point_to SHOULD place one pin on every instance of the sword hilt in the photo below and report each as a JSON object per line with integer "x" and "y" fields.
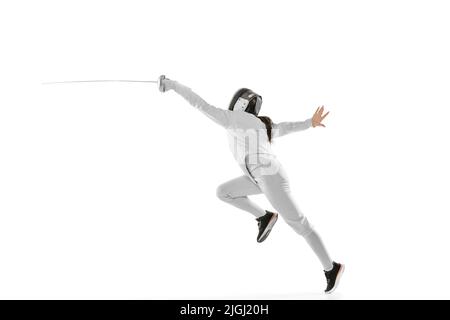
{"x": 161, "y": 84}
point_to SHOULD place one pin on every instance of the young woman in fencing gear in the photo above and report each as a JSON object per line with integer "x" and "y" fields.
{"x": 249, "y": 137}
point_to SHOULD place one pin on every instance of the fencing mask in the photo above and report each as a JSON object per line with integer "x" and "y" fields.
{"x": 246, "y": 100}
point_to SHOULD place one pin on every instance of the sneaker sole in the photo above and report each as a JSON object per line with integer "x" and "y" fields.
{"x": 269, "y": 227}
{"x": 338, "y": 277}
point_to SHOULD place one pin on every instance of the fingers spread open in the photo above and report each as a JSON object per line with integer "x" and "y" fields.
{"x": 323, "y": 117}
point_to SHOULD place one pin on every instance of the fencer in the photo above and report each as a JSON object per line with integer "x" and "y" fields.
{"x": 250, "y": 137}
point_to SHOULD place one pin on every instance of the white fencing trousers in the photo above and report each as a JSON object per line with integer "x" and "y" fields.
{"x": 276, "y": 189}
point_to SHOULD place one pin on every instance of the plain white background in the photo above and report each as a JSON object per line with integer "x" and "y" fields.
{"x": 108, "y": 190}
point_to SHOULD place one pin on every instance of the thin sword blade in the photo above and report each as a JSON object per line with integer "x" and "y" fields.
{"x": 87, "y": 81}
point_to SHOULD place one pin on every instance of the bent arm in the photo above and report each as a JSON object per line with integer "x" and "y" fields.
{"x": 284, "y": 128}
{"x": 220, "y": 116}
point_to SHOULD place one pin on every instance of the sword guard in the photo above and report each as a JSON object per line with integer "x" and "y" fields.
{"x": 161, "y": 84}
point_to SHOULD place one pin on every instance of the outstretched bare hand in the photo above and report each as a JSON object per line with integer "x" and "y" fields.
{"x": 318, "y": 117}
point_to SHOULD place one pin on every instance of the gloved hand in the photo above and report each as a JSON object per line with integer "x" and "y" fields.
{"x": 162, "y": 83}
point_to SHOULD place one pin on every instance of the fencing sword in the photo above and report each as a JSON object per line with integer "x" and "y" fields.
{"x": 158, "y": 82}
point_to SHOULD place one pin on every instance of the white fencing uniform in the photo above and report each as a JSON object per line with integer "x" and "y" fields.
{"x": 263, "y": 173}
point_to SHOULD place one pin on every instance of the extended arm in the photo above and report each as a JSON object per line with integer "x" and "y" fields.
{"x": 220, "y": 116}
{"x": 284, "y": 128}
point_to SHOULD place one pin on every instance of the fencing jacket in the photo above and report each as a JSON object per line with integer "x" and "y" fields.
{"x": 247, "y": 134}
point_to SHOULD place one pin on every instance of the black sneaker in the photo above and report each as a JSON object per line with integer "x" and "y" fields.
{"x": 265, "y": 225}
{"x": 333, "y": 276}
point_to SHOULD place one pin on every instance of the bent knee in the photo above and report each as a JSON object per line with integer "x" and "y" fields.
{"x": 222, "y": 193}
{"x": 301, "y": 225}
